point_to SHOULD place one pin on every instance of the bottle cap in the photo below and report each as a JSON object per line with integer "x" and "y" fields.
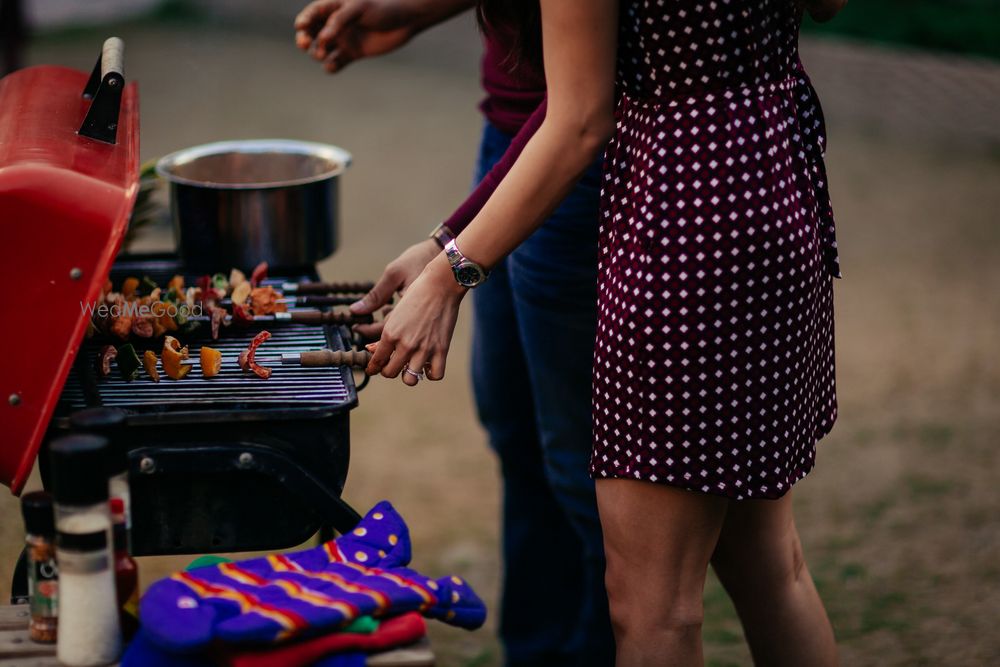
{"x": 36, "y": 507}
{"x": 109, "y": 423}
{"x": 79, "y": 469}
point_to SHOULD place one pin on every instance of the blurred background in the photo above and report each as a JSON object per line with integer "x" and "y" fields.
{"x": 901, "y": 518}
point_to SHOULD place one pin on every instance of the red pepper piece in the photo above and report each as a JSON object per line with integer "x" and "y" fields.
{"x": 246, "y": 358}
{"x": 259, "y": 274}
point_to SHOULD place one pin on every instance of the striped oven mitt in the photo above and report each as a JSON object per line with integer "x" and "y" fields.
{"x": 281, "y": 596}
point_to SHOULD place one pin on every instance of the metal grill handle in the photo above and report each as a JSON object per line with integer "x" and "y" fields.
{"x": 104, "y": 89}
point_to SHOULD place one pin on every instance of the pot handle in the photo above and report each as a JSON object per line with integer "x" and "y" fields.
{"x": 104, "y": 89}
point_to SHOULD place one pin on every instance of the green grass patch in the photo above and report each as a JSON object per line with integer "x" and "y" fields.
{"x": 961, "y": 26}
{"x": 922, "y": 487}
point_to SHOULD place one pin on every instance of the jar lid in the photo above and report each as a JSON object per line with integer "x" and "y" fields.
{"x": 110, "y": 423}
{"x": 79, "y": 469}
{"x": 36, "y": 507}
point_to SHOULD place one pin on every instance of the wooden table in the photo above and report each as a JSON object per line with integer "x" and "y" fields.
{"x": 17, "y": 650}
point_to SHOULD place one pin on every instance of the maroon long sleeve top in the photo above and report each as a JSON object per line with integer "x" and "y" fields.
{"x": 515, "y": 104}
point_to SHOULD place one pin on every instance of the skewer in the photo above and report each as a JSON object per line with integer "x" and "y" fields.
{"x": 301, "y": 317}
{"x": 311, "y": 359}
{"x": 307, "y": 301}
{"x": 359, "y": 288}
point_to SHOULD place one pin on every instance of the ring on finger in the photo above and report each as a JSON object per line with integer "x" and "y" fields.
{"x": 412, "y": 373}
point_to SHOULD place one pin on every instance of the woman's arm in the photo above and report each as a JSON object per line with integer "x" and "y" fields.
{"x": 579, "y": 40}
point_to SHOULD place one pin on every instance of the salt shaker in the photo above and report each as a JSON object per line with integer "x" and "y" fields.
{"x": 43, "y": 576}
{"x": 110, "y": 423}
{"x": 89, "y": 631}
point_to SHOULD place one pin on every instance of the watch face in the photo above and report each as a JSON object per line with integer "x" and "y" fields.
{"x": 469, "y": 275}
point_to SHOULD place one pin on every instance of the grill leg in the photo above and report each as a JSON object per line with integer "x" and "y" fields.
{"x": 19, "y": 582}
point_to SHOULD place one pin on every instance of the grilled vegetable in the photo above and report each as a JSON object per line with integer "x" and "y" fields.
{"x": 129, "y": 287}
{"x": 211, "y": 362}
{"x": 241, "y": 314}
{"x": 122, "y": 326}
{"x": 128, "y": 362}
{"x": 259, "y": 274}
{"x": 176, "y": 284}
{"x": 104, "y": 359}
{"x": 149, "y": 363}
{"x": 241, "y": 293}
{"x": 246, "y": 357}
{"x": 172, "y": 356}
{"x": 220, "y": 282}
{"x": 264, "y": 301}
{"x": 148, "y": 285}
{"x": 218, "y": 319}
{"x": 236, "y": 278}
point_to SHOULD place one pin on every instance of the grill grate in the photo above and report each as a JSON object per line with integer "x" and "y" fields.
{"x": 288, "y": 386}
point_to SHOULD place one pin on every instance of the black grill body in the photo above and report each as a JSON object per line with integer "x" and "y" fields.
{"x": 234, "y": 463}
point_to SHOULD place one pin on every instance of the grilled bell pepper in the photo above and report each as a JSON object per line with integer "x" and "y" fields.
{"x": 211, "y": 362}
{"x": 148, "y": 285}
{"x": 246, "y": 359}
{"x": 128, "y": 362}
{"x": 176, "y": 283}
{"x": 259, "y": 274}
{"x": 241, "y": 293}
{"x": 149, "y": 363}
{"x": 172, "y": 356}
{"x": 220, "y": 282}
{"x": 241, "y": 314}
{"x": 104, "y": 359}
{"x": 129, "y": 287}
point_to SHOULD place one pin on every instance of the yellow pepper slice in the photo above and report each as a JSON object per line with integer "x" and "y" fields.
{"x": 149, "y": 363}
{"x": 129, "y": 287}
{"x": 211, "y": 362}
{"x": 172, "y": 356}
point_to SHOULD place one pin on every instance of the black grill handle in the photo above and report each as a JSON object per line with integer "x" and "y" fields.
{"x": 104, "y": 89}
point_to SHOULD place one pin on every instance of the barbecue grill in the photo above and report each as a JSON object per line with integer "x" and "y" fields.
{"x": 231, "y": 463}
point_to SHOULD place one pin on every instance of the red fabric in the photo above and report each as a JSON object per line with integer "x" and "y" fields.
{"x": 391, "y": 633}
{"x": 515, "y": 104}
{"x": 514, "y": 87}
{"x": 464, "y": 214}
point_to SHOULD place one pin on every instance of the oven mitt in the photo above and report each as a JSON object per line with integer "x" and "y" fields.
{"x": 392, "y": 633}
{"x": 274, "y": 598}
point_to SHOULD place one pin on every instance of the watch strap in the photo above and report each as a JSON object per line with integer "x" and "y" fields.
{"x": 442, "y": 234}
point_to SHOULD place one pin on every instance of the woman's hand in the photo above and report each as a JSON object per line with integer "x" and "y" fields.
{"x": 338, "y": 32}
{"x": 399, "y": 274}
{"x": 417, "y": 336}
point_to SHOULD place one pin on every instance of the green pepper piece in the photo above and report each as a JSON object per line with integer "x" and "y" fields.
{"x": 147, "y": 286}
{"x": 128, "y": 362}
{"x": 182, "y": 315}
{"x": 220, "y": 281}
{"x": 189, "y": 326}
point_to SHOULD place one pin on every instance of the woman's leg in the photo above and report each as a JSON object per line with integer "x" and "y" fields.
{"x": 759, "y": 561}
{"x": 658, "y": 541}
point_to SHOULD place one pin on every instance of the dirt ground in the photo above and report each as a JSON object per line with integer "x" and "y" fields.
{"x": 901, "y": 518}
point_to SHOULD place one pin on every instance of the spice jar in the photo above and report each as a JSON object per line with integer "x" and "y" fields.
{"x": 110, "y": 423}
{"x": 89, "y": 632}
{"x": 43, "y": 576}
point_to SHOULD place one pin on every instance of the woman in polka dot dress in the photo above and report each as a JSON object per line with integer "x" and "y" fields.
{"x": 713, "y": 374}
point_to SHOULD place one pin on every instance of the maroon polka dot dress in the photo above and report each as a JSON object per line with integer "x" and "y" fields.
{"x": 714, "y": 364}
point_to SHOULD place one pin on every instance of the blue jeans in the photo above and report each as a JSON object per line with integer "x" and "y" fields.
{"x": 535, "y": 322}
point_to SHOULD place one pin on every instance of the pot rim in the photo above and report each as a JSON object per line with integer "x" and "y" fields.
{"x": 340, "y": 157}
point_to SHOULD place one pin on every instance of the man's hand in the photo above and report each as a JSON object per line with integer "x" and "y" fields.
{"x": 397, "y": 276}
{"x": 338, "y": 32}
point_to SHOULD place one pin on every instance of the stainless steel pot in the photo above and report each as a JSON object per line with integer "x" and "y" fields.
{"x": 237, "y": 203}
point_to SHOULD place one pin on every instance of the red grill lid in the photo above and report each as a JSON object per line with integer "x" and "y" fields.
{"x": 65, "y": 200}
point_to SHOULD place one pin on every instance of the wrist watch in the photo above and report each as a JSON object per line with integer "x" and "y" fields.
{"x": 467, "y": 273}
